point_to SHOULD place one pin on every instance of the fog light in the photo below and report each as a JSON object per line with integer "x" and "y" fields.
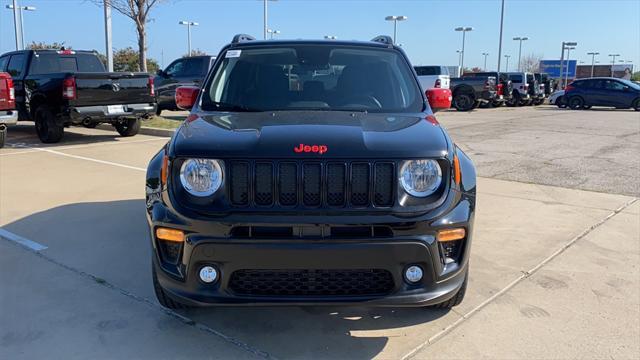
{"x": 208, "y": 274}
{"x": 413, "y": 274}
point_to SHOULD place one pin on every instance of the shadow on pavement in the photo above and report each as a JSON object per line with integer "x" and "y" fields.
{"x": 110, "y": 240}
{"x": 24, "y": 135}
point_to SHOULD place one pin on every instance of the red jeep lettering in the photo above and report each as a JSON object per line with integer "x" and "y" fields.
{"x": 320, "y": 149}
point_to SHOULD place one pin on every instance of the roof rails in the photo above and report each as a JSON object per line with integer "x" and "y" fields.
{"x": 385, "y": 39}
{"x": 240, "y": 38}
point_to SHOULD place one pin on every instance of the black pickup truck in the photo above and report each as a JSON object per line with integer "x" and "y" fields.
{"x": 504, "y": 88}
{"x": 470, "y": 92}
{"x": 58, "y": 88}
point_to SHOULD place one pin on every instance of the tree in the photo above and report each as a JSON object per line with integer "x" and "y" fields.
{"x": 127, "y": 60}
{"x": 636, "y": 76}
{"x": 530, "y": 63}
{"x": 195, "y": 52}
{"x": 41, "y": 45}
{"x": 138, "y": 11}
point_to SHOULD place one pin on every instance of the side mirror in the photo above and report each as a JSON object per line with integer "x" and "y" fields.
{"x": 439, "y": 99}
{"x": 186, "y": 97}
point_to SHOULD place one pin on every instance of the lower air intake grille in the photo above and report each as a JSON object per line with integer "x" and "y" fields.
{"x": 311, "y": 282}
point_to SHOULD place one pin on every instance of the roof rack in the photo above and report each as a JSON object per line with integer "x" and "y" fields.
{"x": 385, "y": 39}
{"x": 240, "y": 38}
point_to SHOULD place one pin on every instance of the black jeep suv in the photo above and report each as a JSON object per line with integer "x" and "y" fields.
{"x": 310, "y": 172}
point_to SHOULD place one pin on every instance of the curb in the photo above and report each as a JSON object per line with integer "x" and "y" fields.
{"x": 143, "y": 130}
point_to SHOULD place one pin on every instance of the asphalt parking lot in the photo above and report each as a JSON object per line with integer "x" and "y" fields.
{"x": 554, "y": 266}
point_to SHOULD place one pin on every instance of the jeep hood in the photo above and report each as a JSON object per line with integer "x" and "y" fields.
{"x": 276, "y": 134}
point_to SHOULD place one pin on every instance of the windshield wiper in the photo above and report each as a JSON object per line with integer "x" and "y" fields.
{"x": 222, "y": 106}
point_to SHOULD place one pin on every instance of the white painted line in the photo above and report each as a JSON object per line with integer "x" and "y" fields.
{"x": 29, "y": 149}
{"x": 22, "y": 241}
{"x": 515, "y": 282}
{"x": 91, "y": 159}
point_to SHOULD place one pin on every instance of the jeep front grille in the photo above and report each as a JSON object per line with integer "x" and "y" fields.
{"x": 311, "y": 184}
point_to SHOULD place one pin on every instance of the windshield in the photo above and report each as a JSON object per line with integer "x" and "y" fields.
{"x": 630, "y": 84}
{"x": 313, "y": 77}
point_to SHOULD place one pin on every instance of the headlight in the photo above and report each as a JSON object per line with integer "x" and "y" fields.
{"x": 420, "y": 178}
{"x": 201, "y": 177}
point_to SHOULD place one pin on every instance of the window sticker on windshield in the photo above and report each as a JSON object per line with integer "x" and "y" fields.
{"x": 233, "y": 53}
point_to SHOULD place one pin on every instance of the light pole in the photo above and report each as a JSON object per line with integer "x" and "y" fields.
{"x": 189, "y": 25}
{"x": 566, "y": 77}
{"x": 16, "y": 20}
{"x": 564, "y": 45}
{"x": 395, "y": 20}
{"x": 500, "y": 42}
{"x": 464, "y": 30}
{"x": 21, "y": 9}
{"x": 521, "y": 39}
{"x": 459, "y": 56}
{"x": 485, "y": 60}
{"x": 272, "y": 33}
{"x": 613, "y": 61}
{"x": 107, "y": 35}
{"x": 264, "y": 15}
{"x": 593, "y": 60}
{"x": 330, "y": 37}
{"x": 507, "y": 65}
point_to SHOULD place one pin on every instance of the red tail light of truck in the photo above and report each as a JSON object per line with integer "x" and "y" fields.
{"x": 499, "y": 89}
{"x": 7, "y": 92}
{"x": 69, "y": 88}
{"x": 152, "y": 88}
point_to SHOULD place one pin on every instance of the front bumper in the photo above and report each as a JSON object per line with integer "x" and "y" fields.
{"x": 8, "y": 117}
{"x": 413, "y": 242}
{"x": 103, "y": 113}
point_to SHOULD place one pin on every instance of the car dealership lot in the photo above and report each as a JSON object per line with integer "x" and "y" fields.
{"x": 554, "y": 263}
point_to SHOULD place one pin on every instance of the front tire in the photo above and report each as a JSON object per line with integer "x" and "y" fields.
{"x": 457, "y": 298}
{"x": 162, "y": 296}
{"x": 576, "y": 103}
{"x": 129, "y": 127}
{"x": 49, "y": 131}
{"x": 636, "y": 105}
{"x": 515, "y": 100}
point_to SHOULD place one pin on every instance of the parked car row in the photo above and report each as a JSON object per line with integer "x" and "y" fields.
{"x": 488, "y": 89}
{"x": 582, "y": 94}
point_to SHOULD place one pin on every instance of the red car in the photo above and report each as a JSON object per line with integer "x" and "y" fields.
{"x": 8, "y": 112}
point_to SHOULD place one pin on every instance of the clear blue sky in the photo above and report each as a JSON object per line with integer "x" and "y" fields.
{"x": 606, "y": 26}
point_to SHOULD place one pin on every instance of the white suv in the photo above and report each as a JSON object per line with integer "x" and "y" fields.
{"x": 435, "y": 76}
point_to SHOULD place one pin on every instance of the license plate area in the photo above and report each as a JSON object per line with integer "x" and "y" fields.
{"x": 115, "y": 109}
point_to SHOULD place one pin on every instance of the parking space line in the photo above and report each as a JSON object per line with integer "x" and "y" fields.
{"x": 515, "y": 282}
{"x": 29, "y": 244}
{"x": 25, "y": 243}
{"x": 91, "y": 159}
{"x": 31, "y": 149}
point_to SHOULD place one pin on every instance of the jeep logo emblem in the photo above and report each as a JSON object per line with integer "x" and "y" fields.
{"x": 320, "y": 149}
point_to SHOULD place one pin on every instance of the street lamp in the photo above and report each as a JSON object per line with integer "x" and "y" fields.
{"x": 272, "y": 33}
{"x": 521, "y": 39}
{"x": 459, "y": 56}
{"x": 395, "y": 20}
{"x": 22, "y": 8}
{"x": 464, "y": 30}
{"x": 485, "y": 60}
{"x": 189, "y": 25}
{"x": 566, "y": 77}
{"x": 507, "y": 67}
{"x": 264, "y": 15}
{"x": 613, "y": 61}
{"x": 593, "y": 60}
{"x": 330, "y": 37}
{"x": 564, "y": 46}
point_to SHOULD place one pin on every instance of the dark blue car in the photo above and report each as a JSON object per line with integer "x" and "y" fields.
{"x": 605, "y": 91}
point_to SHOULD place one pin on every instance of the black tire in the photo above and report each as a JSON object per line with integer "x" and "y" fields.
{"x": 129, "y": 127}
{"x": 463, "y": 102}
{"x": 576, "y": 103}
{"x": 49, "y": 131}
{"x": 515, "y": 100}
{"x": 91, "y": 125}
{"x": 560, "y": 102}
{"x": 162, "y": 296}
{"x": 158, "y": 110}
{"x": 586, "y": 107}
{"x": 636, "y": 105}
{"x": 498, "y": 104}
{"x": 457, "y": 298}
{"x": 3, "y": 137}
{"x": 486, "y": 105}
